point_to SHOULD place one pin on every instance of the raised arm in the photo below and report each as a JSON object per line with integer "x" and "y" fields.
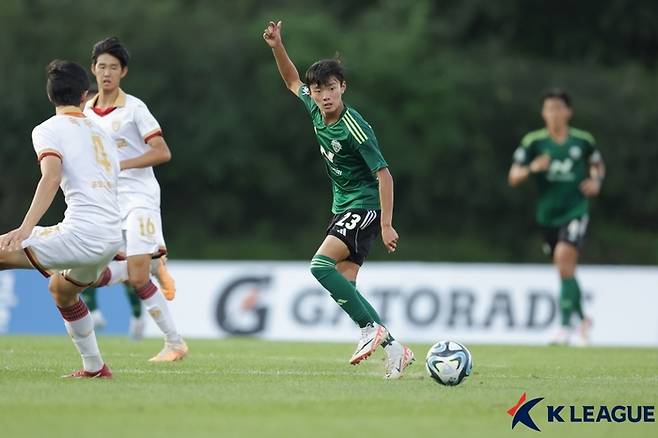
{"x": 288, "y": 71}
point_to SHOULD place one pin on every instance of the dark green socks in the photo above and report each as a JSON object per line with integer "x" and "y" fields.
{"x": 133, "y": 299}
{"x": 89, "y": 297}
{"x": 342, "y": 291}
{"x": 570, "y": 300}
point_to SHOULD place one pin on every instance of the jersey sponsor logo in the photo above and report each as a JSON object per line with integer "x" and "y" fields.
{"x": 327, "y": 154}
{"x": 575, "y": 152}
{"x": 330, "y": 158}
{"x": 336, "y": 145}
{"x": 561, "y": 170}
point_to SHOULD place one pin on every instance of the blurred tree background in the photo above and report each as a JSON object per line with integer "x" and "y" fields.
{"x": 449, "y": 86}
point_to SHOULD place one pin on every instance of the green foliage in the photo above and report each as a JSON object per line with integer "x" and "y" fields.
{"x": 449, "y": 87}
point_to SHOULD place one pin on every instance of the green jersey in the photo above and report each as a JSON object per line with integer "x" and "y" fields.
{"x": 351, "y": 155}
{"x": 560, "y": 198}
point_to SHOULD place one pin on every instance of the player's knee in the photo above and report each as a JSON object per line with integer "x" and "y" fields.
{"x": 138, "y": 281}
{"x": 322, "y": 266}
{"x": 62, "y": 295}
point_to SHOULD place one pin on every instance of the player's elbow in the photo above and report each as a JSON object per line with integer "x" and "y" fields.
{"x": 166, "y": 156}
{"x": 384, "y": 176}
{"x": 514, "y": 181}
{"x": 51, "y": 180}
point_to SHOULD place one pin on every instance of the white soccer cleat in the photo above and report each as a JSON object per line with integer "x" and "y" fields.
{"x": 398, "y": 357}
{"x": 562, "y": 336}
{"x": 371, "y": 336}
{"x": 99, "y": 320}
{"x": 583, "y": 332}
{"x": 171, "y": 352}
{"x": 136, "y": 328}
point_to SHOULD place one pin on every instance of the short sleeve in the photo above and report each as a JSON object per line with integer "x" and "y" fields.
{"x": 304, "y": 94}
{"x": 46, "y": 142}
{"x": 371, "y": 154}
{"x": 147, "y": 125}
{"x": 526, "y": 151}
{"x": 592, "y": 151}
{"x": 365, "y": 141}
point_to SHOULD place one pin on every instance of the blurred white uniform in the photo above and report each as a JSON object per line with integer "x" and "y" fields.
{"x": 89, "y": 236}
{"x": 131, "y": 125}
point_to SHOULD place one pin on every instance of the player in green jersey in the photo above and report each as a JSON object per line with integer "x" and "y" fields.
{"x": 362, "y": 197}
{"x": 568, "y": 169}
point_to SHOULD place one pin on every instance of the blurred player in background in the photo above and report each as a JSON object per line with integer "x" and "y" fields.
{"x": 568, "y": 169}
{"x": 76, "y": 155}
{"x": 140, "y": 145}
{"x": 136, "y": 325}
{"x": 362, "y": 197}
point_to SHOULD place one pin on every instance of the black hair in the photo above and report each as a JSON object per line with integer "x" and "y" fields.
{"x": 321, "y": 71}
{"x": 67, "y": 81}
{"x": 557, "y": 93}
{"x": 111, "y": 46}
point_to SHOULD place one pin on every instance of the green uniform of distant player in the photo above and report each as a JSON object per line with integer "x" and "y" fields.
{"x": 362, "y": 197}
{"x": 568, "y": 169}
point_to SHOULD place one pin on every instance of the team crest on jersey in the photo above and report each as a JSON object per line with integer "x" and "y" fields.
{"x": 305, "y": 90}
{"x": 575, "y": 152}
{"x": 336, "y": 145}
{"x": 116, "y": 125}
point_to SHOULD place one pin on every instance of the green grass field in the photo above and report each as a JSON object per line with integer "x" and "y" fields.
{"x": 245, "y": 388}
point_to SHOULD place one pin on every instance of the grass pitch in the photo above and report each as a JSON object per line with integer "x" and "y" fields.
{"x": 245, "y": 388}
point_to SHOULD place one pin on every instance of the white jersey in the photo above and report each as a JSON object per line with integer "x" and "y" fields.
{"x": 90, "y": 169}
{"x": 131, "y": 125}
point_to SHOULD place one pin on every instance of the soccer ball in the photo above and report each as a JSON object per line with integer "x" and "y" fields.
{"x": 448, "y": 362}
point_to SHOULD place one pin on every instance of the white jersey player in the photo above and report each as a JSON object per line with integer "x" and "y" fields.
{"x": 77, "y": 156}
{"x": 140, "y": 146}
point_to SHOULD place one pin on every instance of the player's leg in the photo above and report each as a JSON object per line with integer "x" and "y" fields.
{"x": 139, "y": 268}
{"x": 16, "y": 259}
{"x": 323, "y": 268}
{"x": 398, "y": 356}
{"x": 79, "y": 325}
{"x": 163, "y": 277}
{"x": 565, "y": 257}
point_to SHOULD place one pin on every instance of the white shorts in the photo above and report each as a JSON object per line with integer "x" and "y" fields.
{"x": 58, "y": 249}
{"x": 142, "y": 233}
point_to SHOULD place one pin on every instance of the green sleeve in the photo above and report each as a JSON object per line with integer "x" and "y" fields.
{"x": 304, "y": 94}
{"x": 365, "y": 142}
{"x": 525, "y": 153}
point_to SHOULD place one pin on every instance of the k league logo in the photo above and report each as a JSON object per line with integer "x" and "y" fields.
{"x": 621, "y": 413}
{"x": 520, "y": 412}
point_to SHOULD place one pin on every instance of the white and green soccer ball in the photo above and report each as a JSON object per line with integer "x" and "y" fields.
{"x": 448, "y": 362}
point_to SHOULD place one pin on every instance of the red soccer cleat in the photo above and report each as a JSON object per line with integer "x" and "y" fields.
{"x": 103, "y": 373}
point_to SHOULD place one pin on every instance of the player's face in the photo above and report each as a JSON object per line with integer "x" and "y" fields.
{"x": 329, "y": 97}
{"x": 556, "y": 113}
{"x": 108, "y": 72}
